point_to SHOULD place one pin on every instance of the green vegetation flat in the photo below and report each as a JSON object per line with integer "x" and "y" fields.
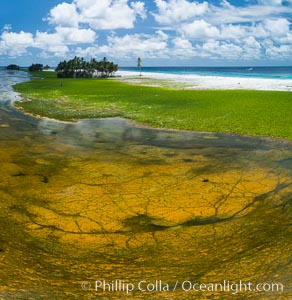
{"x": 258, "y": 113}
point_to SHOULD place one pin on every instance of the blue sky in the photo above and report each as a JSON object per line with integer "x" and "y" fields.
{"x": 162, "y": 32}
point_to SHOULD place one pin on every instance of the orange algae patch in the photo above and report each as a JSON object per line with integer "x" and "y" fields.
{"x": 105, "y": 198}
{"x": 140, "y": 212}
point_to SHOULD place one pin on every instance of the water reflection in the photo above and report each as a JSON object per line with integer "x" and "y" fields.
{"x": 108, "y": 199}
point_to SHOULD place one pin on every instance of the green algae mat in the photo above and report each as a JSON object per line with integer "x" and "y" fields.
{"x": 256, "y": 113}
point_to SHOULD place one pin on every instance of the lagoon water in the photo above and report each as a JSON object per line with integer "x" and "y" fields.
{"x": 111, "y": 200}
{"x": 242, "y": 72}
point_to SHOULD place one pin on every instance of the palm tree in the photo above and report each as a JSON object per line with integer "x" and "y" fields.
{"x": 139, "y": 64}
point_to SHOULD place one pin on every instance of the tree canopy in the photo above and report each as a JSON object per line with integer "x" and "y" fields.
{"x": 78, "y": 67}
{"x": 36, "y": 68}
{"x": 12, "y": 67}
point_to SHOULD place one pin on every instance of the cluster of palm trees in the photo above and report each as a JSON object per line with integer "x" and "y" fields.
{"x": 36, "y": 68}
{"x": 78, "y": 67}
{"x": 13, "y": 67}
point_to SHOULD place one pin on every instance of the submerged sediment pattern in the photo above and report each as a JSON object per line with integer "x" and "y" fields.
{"x": 105, "y": 200}
{"x": 89, "y": 202}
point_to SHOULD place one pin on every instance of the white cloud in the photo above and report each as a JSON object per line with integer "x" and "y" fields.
{"x": 116, "y": 14}
{"x": 258, "y": 31}
{"x": 278, "y": 27}
{"x": 109, "y": 14}
{"x": 174, "y": 11}
{"x": 75, "y": 35}
{"x": 278, "y": 52}
{"x": 200, "y": 29}
{"x": 97, "y": 14}
{"x": 195, "y": 29}
{"x": 227, "y": 31}
{"x": 15, "y": 44}
{"x": 64, "y": 14}
{"x": 230, "y": 31}
{"x": 254, "y": 13}
{"x": 91, "y": 51}
{"x": 139, "y": 9}
{"x": 216, "y": 50}
{"x": 251, "y": 42}
{"x": 251, "y": 48}
{"x": 156, "y": 46}
{"x": 183, "y": 48}
{"x": 7, "y": 27}
{"x": 285, "y": 40}
{"x": 139, "y": 45}
{"x": 50, "y": 43}
{"x": 227, "y": 13}
{"x": 245, "y": 49}
{"x": 131, "y": 46}
{"x": 270, "y": 2}
{"x": 44, "y": 39}
{"x": 58, "y": 42}
{"x": 64, "y": 36}
{"x": 58, "y": 50}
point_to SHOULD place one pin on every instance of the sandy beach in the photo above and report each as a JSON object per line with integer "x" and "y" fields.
{"x": 216, "y": 82}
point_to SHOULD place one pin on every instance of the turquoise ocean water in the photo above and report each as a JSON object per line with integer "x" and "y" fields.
{"x": 254, "y": 72}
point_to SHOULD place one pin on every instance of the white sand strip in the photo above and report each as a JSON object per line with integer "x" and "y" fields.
{"x": 199, "y": 82}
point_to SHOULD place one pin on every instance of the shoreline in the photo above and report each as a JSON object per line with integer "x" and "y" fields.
{"x": 199, "y": 82}
{"x": 36, "y": 116}
{"x": 148, "y": 126}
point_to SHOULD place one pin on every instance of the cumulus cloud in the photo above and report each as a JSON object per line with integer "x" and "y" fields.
{"x": 200, "y": 29}
{"x": 226, "y": 13}
{"x": 139, "y": 9}
{"x": 194, "y": 29}
{"x": 230, "y": 31}
{"x": 285, "y": 40}
{"x": 138, "y": 45}
{"x": 50, "y": 43}
{"x": 108, "y": 15}
{"x": 270, "y": 2}
{"x": 75, "y": 35}
{"x": 59, "y": 41}
{"x": 101, "y": 14}
{"x": 219, "y": 50}
{"x": 227, "y": 31}
{"x": 277, "y": 27}
{"x": 251, "y": 48}
{"x": 183, "y": 48}
{"x": 15, "y": 44}
{"x": 64, "y": 14}
{"x": 131, "y": 45}
{"x": 280, "y": 51}
{"x": 174, "y": 11}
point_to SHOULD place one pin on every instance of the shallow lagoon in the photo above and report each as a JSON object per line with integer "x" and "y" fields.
{"x": 111, "y": 200}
